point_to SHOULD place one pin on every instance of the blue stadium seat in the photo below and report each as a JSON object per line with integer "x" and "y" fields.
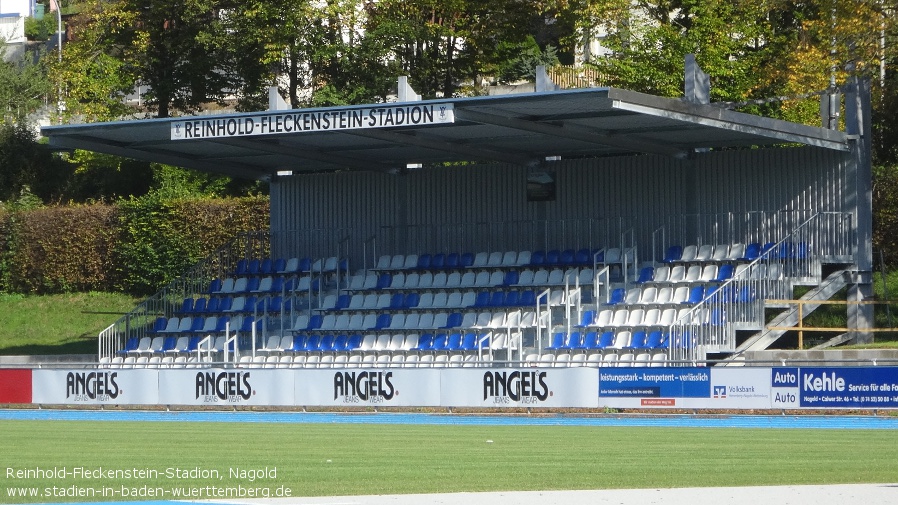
{"x": 411, "y": 300}
{"x": 440, "y": 342}
{"x": 305, "y": 264}
{"x": 538, "y": 258}
{"x": 573, "y": 341}
{"x": 696, "y": 294}
{"x": 280, "y": 265}
{"x": 606, "y": 340}
{"x": 196, "y": 326}
{"x": 512, "y": 299}
{"x": 341, "y": 343}
{"x": 483, "y": 299}
{"x": 617, "y": 296}
{"x": 299, "y": 343}
{"x": 466, "y": 260}
{"x": 383, "y": 321}
{"x": 131, "y": 345}
{"x": 725, "y": 273}
{"x": 674, "y": 253}
{"x": 654, "y": 340}
{"x": 397, "y": 301}
{"x": 566, "y": 258}
{"x": 266, "y": 266}
{"x": 454, "y": 341}
{"x": 354, "y": 342}
{"x": 583, "y": 257}
{"x": 752, "y": 252}
{"x": 437, "y": 261}
{"x": 312, "y": 344}
{"x": 497, "y": 299}
{"x": 252, "y": 284}
{"x": 212, "y": 306}
{"x": 215, "y": 286}
{"x": 277, "y": 285}
{"x": 242, "y": 268}
{"x": 425, "y": 343}
{"x": 186, "y": 306}
{"x": 326, "y": 344}
{"x": 528, "y": 298}
{"x": 645, "y": 275}
{"x": 589, "y": 342}
{"x": 637, "y": 339}
{"x": 199, "y": 306}
{"x": 452, "y": 260}
{"x": 424, "y": 261}
{"x": 552, "y": 258}
{"x": 343, "y": 301}
{"x": 511, "y": 278}
{"x": 557, "y": 341}
{"x": 469, "y": 342}
{"x": 586, "y": 319}
{"x": 224, "y": 304}
{"x": 384, "y": 281}
{"x": 315, "y": 321}
{"x": 253, "y": 267}
{"x": 454, "y": 320}
{"x": 158, "y": 325}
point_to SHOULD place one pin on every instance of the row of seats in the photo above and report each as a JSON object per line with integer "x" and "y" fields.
{"x": 582, "y": 359}
{"x": 286, "y": 266}
{"x": 608, "y": 341}
{"x": 650, "y": 296}
{"x": 433, "y": 301}
{"x": 499, "y": 259}
{"x": 211, "y": 306}
{"x": 735, "y": 252}
{"x": 200, "y": 325}
{"x": 470, "y": 279}
{"x": 399, "y": 321}
{"x": 637, "y": 317}
{"x": 231, "y": 286}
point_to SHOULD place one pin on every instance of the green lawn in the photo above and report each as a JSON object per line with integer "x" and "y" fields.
{"x": 315, "y": 459}
{"x": 58, "y": 324}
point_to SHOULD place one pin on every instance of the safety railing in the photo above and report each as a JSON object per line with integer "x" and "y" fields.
{"x": 710, "y": 326}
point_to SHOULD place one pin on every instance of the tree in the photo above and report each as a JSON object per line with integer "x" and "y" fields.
{"x": 92, "y": 76}
{"x": 173, "y": 48}
{"x": 443, "y": 44}
{"x": 23, "y": 87}
{"x": 29, "y": 168}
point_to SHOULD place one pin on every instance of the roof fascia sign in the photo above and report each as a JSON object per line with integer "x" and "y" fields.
{"x": 298, "y": 121}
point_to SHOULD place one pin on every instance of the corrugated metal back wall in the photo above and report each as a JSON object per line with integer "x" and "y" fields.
{"x": 485, "y": 207}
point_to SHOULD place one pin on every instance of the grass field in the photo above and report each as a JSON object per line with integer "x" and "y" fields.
{"x": 312, "y": 460}
{"x": 58, "y": 324}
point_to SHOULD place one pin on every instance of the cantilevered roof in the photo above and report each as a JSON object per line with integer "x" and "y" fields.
{"x": 520, "y": 129}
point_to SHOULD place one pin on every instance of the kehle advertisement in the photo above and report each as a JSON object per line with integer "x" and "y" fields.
{"x": 386, "y": 387}
{"x": 784, "y": 393}
{"x": 232, "y": 386}
{"x": 849, "y": 387}
{"x": 96, "y": 387}
{"x": 527, "y": 387}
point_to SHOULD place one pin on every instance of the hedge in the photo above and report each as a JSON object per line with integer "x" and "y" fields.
{"x": 134, "y": 246}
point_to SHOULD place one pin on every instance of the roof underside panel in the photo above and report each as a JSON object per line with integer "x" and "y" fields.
{"x": 519, "y": 129}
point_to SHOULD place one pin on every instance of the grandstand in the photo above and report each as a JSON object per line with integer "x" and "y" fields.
{"x": 667, "y": 226}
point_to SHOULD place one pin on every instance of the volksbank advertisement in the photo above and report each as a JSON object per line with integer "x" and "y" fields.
{"x": 749, "y": 388}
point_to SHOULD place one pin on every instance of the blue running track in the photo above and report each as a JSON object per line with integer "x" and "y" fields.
{"x": 681, "y": 421}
